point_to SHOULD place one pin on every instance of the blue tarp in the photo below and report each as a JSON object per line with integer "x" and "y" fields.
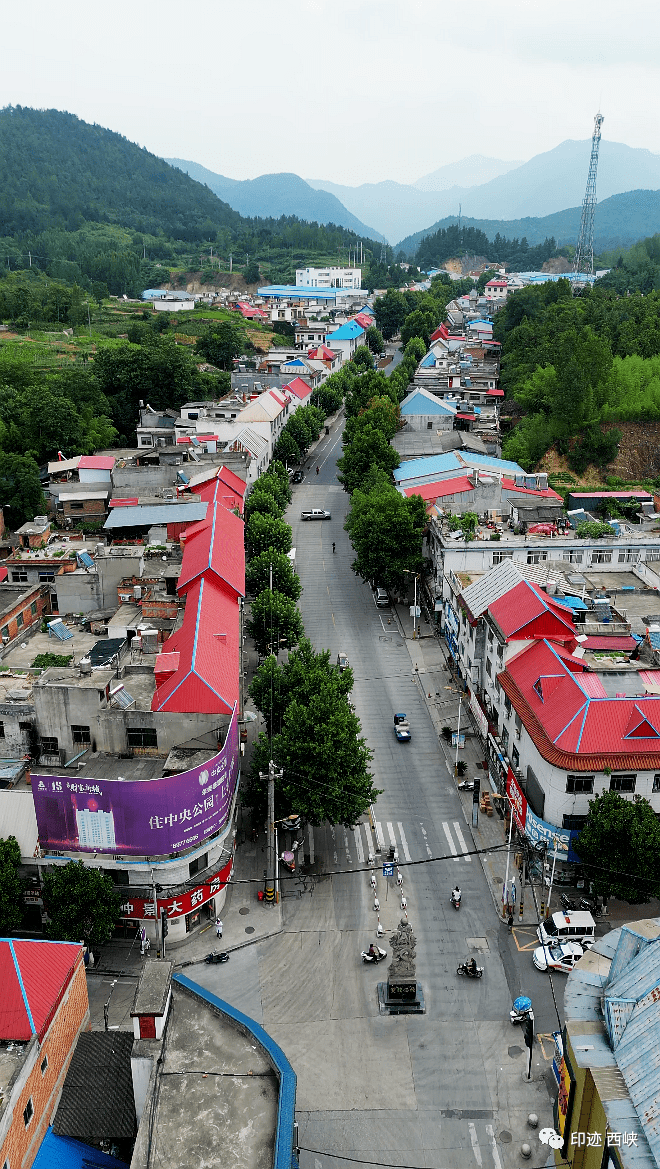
{"x": 65, "y": 1153}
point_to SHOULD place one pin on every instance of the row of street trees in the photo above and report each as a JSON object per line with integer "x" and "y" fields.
{"x": 313, "y": 734}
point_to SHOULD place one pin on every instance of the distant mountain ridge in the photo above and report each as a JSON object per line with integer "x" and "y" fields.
{"x": 620, "y": 221}
{"x": 469, "y": 172}
{"x": 273, "y": 195}
{"x": 546, "y": 184}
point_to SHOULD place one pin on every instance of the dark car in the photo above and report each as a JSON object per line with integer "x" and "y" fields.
{"x": 297, "y": 477}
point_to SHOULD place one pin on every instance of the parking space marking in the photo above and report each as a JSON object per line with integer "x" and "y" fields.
{"x": 525, "y": 931}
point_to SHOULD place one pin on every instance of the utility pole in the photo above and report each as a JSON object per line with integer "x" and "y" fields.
{"x": 270, "y": 863}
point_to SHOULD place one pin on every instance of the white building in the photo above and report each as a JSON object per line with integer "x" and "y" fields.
{"x": 329, "y": 278}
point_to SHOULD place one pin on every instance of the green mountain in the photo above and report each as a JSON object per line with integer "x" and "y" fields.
{"x": 83, "y": 204}
{"x": 275, "y": 195}
{"x": 620, "y": 221}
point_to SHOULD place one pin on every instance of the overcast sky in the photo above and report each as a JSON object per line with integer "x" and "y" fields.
{"x": 351, "y": 91}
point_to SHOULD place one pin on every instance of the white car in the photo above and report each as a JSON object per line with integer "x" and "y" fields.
{"x": 561, "y": 956}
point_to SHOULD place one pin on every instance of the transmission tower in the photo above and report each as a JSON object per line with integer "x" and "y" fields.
{"x": 584, "y": 252}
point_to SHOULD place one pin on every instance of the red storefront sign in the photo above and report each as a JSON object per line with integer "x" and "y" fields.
{"x": 518, "y": 801}
{"x": 183, "y": 903}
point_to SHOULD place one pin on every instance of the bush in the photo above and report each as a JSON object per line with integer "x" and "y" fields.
{"x": 592, "y": 530}
{"x": 594, "y": 447}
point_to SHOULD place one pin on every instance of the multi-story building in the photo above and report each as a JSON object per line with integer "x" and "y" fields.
{"x": 329, "y": 278}
{"x": 43, "y": 1009}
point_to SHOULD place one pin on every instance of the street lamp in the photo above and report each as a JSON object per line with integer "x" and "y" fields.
{"x": 409, "y": 572}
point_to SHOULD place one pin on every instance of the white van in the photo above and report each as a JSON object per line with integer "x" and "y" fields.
{"x": 568, "y": 927}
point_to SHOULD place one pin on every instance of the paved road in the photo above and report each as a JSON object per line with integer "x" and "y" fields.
{"x": 443, "y": 1089}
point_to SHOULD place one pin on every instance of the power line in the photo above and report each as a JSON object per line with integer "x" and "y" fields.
{"x": 381, "y": 1164}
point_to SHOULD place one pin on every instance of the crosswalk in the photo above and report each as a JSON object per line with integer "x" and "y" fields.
{"x": 366, "y": 842}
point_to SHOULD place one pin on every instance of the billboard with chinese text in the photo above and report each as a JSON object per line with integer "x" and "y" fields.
{"x": 137, "y": 818}
{"x": 187, "y": 902}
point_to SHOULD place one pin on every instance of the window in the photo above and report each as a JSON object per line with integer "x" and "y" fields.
{"x": 74, "y": 505}
{"x": 515, "y": 757}
{"x": 4, "y": 632}
{"x": 499, "y": 555}
{"x": 19, "y": 576}
{"x": 429, "y": 426}
{"x": 507, "y": 704}
{"x": 491, "y": 637}
{"x": 25, "y": 727}
{"x": 47, "y": 576}
{"x": 573, "y": 557}
{"x": 28, "y": 1112}
{"x": 580, "y": 784}
{"x": 198, "y": 864}
{"x": 80, "y": 734}
{"x": 656, "y": 783}
{"x": 145, "y": 440}
{"x": 653, "y": 553}
{"x": 192, "y": 414}
{"x": 536, "y": 556}
{"x": 598, "y": 556}
{"x": 2, "y": 730}
{"x": 20, "y": 621}
{"x": 574, "y": 823}
{"x": 626, "y": 555}
{"x": 44, "y": 1065}
{"x": 33, "y": 608}
{"x": 141, "y": 737}
{"x": 489, "y": 668}
{"x": 623, "y": 783}
{"x": 49, "y": 745}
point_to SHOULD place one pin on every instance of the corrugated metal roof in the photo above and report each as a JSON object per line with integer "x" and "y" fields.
{"x": 145, "y": 515}
{"x": 427, "y": 467}
{"x": 96, "y": 463}
{"x": 299, "y": 387}
{"x": 440, "y": 489}
{"x": 420, "y": 401}
{"x": 345, "y": 332}
{"x": 216, "y": 546}
{"x": 206, "y": 680}
{"x": 595, "y": 642}
{"x": 478, "y": 596}
{"x": 33, "y": 976}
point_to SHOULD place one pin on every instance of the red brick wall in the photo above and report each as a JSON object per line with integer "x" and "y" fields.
{"x": 21, "y": 1144}
{"x": 42, "y": 600}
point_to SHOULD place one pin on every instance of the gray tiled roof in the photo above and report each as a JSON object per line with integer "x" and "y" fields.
{"x": 97, "y": 1102}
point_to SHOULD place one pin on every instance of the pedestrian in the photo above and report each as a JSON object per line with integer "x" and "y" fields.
{"x": 218, "y": 928}
{"x": 333, "y": 545}
{"x": 317, "y": 470}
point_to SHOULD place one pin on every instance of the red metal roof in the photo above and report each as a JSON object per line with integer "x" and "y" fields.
{"x": 207, "y": 678}
{"x": 215, "y": 546}
{"x": 96, "y": 462}
{"x": 364, "y": 320}
{"x": 124, "y": 502}
{"x": 574, "y": 730}
{"x": 548, "y": 493}
{"x": 495, "y": 393}
{"x": 441, "y": 488}
{"x": 595, "y": 642}
{"x": 321, "y": 353}
{"x": 34, "y": 976}
{"x": 299, "y": 388}
{"x": 610, "y": 495}
{"x": 525, "y": 612}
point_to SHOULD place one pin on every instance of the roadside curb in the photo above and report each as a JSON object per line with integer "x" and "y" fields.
{"x": 229, "y": 949}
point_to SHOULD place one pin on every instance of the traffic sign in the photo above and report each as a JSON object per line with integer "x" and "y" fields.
{"x": 388, "y": 870}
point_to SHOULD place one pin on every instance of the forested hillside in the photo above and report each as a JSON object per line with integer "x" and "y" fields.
{"x": 84, "y": 204}
{"x": 570, "y": 363}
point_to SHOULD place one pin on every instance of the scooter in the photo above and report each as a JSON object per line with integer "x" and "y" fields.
{"x": 469, "y": 971}
{"x": 466, "y": 785}
{"x": 455, "y": 900}
{"x": 585, "y": 904}
{"x": 367, "y": 957}
{"x": 218, "y": 956}
{"x": 521, "y": 1009}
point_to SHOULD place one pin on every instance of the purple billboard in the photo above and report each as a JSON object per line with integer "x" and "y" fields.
{"x": 138, "y": 818}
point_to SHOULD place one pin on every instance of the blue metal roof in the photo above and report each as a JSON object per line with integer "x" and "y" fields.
{"x": 429, "y": 360}
{"x": 281, "y": 291}
{"x": 144, "y": 515}
{"x": 66, "y": 1153}
{"x": 432, "y": 465}
{"x": 503, "y": 465}
{"x": 420, "y": 403}
{"x": 345, "y": 332}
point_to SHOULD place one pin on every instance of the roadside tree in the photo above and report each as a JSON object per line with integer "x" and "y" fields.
{"x": 11, "y": 887}
{"x": 81, "y": 903}
{"x": 370, "y": 448}
{"x": 304, "y": 674}
{"x": 362, "y": 358}
{"x": 285, "y": 580}
{"x": 275, "y": 622}
{"x": 374, "y": 339}
{"x": 390, "y": 311}
{"x": 385, "y": 530}
{"x": 264, "y": 532}
{"x": 619, "y": 847}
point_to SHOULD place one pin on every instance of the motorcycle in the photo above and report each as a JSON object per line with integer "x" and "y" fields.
{"x": 455, "y": 900}
{"x": 585, "y": 904}
{"x": 367, "y": 957}
{"x": 466, "y": 785}
{"x": 521, "y": 1009}
{"x": 218, "y": 956}
{"x": 469, "y": 971}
